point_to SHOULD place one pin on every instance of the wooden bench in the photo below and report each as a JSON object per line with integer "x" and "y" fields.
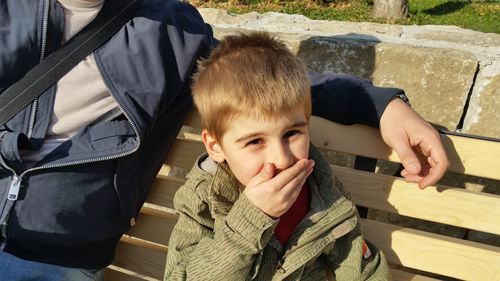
{"x": 413, "y": 254}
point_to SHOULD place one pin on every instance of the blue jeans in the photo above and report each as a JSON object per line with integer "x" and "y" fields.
{"x": 13, "y": 268}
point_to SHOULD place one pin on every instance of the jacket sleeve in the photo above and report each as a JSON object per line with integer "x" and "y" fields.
{"x": 351, "y": 257}
{"x": 200, "y": 249}
{"x": 348, "y": 99}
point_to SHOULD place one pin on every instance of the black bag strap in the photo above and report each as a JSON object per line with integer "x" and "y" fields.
{"x": 113, "y": 15}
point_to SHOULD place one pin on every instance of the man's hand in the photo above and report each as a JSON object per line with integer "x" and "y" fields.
{"x": 417, "y": 143}
{"x": 274, "y": 195}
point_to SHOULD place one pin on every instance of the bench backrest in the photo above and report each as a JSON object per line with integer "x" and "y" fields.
{"x": 413, "y": 254}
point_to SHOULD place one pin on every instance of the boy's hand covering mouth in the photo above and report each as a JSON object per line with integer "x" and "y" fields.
{"x": 275, "y": 194}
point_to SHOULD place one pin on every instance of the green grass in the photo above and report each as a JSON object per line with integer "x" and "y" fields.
{"x": 471, "y": 14}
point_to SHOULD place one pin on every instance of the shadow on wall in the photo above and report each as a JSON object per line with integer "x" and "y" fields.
{"x": 352, "y": 54}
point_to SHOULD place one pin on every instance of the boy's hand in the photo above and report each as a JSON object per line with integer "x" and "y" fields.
{"x": 274, "y": 195}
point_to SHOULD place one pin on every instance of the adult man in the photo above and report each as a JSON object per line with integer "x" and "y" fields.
{"x": 71, "y": 184}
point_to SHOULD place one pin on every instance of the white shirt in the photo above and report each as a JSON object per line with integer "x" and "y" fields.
{"x": 82, "y": 95}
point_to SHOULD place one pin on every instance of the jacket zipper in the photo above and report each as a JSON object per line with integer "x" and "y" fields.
{"x": 16, "y": 181}
{"x": 11, "y": 198}
{"x": 34, "y": 106}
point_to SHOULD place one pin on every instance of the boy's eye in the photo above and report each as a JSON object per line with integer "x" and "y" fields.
{"x": 291, "y": 133}
{"x": 254, "y": 142}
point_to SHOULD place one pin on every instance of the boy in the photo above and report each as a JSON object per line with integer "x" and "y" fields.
{"x": 254, "y": 208}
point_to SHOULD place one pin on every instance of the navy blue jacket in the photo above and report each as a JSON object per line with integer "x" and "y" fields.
{"x": 72, "y": 207}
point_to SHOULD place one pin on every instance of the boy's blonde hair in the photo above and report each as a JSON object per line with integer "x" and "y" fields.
{"x": 252, "y": 75}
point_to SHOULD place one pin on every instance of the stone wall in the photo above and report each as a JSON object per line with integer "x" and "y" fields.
{"x": 451, "y": 75}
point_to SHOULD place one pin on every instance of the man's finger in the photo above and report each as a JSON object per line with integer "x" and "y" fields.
{"x": 439, "y": 164}
{"x": 411, "y": 177}
{"x": 408, "y": 158}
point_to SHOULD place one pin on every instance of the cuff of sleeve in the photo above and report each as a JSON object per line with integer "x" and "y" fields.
{"x": 250, "y": 222}
{"x": 380, "y": 98}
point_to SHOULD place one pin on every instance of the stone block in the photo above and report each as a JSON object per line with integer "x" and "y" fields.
{"x": 436, "y": 80}
{"x": 278, "y": 22}
{"x": 452, "y": 34}
{"x": 483, "y": 114}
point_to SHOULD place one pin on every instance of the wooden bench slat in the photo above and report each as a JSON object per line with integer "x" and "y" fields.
{"x": 135, "y": 257}
{"x": 360, "y": 140}
{"x": 193, "y": 119}
{"x": 399, "y": 275}
{"x": 153, "y": 228}
{"x": 458, "y": 207}
{"x": 116, "y": 273}
{"x": 163, "y": 191}
{"x": 467, "y": 156}
{"x": 159, "y": 211}
{"x": 473, "y": 156}
{"x": 184, "y": 152}
{"x": 434, "y": 253}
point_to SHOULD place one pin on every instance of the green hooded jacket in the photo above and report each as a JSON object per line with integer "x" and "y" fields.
{"x": 221, "y": 235}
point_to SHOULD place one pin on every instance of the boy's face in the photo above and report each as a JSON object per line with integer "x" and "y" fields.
{"x": 249, "y": 143}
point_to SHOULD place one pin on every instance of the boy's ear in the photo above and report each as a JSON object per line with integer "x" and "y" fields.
{"x": 212, "y": 146}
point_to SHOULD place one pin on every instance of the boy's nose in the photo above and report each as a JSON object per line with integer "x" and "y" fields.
{"x": 282, "y": 157}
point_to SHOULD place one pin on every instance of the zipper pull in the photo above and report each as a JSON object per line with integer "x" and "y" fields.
{"x": 14, "y": 188}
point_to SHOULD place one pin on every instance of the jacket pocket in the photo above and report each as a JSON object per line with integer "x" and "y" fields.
{"x": 127, "y": 177}
{"x": 111, "y": 135}
{"x": 69, "y": 205}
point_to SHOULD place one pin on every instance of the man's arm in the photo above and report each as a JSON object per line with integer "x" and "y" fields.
{"x": 348, "y": 100}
